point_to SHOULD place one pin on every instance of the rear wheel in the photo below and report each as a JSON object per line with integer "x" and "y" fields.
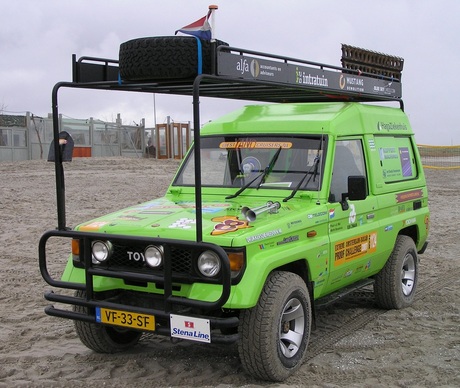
{"x": 396, "y": 283}
{"x": 101, "y": 338}
{"x": 275, "y": 333}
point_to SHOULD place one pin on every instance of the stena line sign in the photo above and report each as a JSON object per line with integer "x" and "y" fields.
{"x": 252, "y": 68}
{"x": 190, "y": 328}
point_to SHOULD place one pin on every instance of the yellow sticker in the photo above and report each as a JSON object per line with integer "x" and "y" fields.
{"x": 255, "y": 144}
{"x": 354, "y": 248}
{"x": 93, "y": 226}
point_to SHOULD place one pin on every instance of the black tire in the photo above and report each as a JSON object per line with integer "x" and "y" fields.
{"x": 273, "y": 340}
{"x": 395, "y": 284}
{"x": 101, "y": 338}
{"x": 163, "y": 57}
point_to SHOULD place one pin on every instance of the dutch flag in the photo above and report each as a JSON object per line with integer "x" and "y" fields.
{"x": 201, "y": 28}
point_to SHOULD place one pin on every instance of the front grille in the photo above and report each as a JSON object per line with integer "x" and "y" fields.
{"x": 179, "y": 264}
{"x": 131, "y": 257}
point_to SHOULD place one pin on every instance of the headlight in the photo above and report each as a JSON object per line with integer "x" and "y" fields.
{"x": 154, "y": 255}
{"x": 209, "y": 264}
{"x": 101, "y": 251}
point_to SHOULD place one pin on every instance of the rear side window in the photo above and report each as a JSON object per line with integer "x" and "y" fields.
{"x": 396, "y": 158}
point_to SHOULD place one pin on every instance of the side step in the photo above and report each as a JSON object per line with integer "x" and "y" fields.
{"x": 343, "y": 292}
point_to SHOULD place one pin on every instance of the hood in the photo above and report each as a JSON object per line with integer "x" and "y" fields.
{"x": 232, "y": 223}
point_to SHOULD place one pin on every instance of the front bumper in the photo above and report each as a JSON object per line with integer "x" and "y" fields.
{"x": 159, "y": 305}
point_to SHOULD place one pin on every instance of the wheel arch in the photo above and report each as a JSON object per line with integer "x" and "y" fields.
{"x": 300, "y": 268}
{"x": 246, "y": 293}
{"x": 412, "y": 232}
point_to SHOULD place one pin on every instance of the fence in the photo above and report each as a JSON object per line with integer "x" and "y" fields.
{"x": 13, "y": 138}
{"x": 29, "y": 137}
{"x": 91, "y": 137}
{"x": 440, "y": 157}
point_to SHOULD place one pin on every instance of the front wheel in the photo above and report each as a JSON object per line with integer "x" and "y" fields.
{"x": 275, "y": 333}
{"x": 101, "y": 338}
{"x": 395, "y": 284}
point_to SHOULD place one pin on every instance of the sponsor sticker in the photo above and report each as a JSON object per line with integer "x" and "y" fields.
{"x": 352, "y": 216}
{"x": 265, "y": 235}
{"x": 93, "y": 226}
{"x": 255, "y": 144}
{"x": 183, "y": 223}
{"x": 354, "y": 248}
{"x": 410, "y": 221}
{"x": 288, "y": 240}
{"x": 190, "y": 328}
{"x": 227, "y": 224}
{"x": 318, "y": 214}
{"x": 409, "y": 195}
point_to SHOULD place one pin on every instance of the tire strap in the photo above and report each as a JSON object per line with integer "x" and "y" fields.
{"x": 200, "y": 56}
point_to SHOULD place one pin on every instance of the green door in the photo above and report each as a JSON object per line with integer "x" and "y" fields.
{"x": 352, "y": 227}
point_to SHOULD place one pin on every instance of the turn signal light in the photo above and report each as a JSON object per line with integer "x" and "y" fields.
{"x": 75, "y": 247}
{"x": 311, "y": 233}
{"x": 236, "y": 260}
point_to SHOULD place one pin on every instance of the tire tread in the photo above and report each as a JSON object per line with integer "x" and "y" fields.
{"x": 387, "y": 286}
{"x": 164, "y": 57}
{"x": 256, "y": 328}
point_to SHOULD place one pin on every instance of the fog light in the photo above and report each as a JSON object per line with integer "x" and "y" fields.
{"x": 154, "y": 255}
{"x": 101, "y": 251}
{"x": 209, "y": 264}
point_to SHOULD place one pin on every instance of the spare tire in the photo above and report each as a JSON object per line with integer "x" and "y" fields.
{"x": 164, "y": 57}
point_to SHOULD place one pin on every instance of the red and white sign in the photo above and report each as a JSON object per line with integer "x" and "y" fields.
{"x": 190, "y": 328}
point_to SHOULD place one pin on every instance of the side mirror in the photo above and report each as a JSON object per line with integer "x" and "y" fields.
{"x": 357, "y": 188}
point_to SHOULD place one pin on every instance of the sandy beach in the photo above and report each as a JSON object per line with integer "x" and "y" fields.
{"x": 354, "y": 345}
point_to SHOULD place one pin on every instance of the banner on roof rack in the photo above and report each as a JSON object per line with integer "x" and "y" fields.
{"x": 252, "y": 68}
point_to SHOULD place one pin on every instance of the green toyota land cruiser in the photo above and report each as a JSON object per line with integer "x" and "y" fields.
{"x": 311, "y": 193}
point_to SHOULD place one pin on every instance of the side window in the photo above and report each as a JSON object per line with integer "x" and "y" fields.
{"x": 396, "y": 158}
{"x": 348, "y": 161}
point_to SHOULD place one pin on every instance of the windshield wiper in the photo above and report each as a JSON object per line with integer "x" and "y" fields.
{"x": 315, "y": 163}
{"x": 313, "y": 166}
{"x": 269, "y": 168}
{"x": 263, "y": 174}
{"x": 244, "y": 187}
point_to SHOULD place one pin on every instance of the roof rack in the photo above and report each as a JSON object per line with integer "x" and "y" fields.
{"x": 251, "y": 75}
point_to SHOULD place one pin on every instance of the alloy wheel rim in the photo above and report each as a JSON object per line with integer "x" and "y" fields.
{"x": 292, "y": 328}
{"x": 408, "y": 274}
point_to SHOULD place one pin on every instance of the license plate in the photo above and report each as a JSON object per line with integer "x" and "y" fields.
{"x": 125, "y": 319}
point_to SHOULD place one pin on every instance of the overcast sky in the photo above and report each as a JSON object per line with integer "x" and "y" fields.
{"x": 38, "y": 38}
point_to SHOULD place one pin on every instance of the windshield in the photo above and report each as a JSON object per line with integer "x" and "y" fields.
{"x": 275, "y": 162}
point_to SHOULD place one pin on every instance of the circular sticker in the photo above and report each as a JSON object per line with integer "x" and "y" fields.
{"x": 250, "y": 164}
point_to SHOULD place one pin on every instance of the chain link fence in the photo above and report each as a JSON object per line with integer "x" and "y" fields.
{"x": 440, "y": 157}
{"x": 29, "y": 137}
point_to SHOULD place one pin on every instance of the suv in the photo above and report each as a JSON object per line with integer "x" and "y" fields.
{"x": 276, "y": 209}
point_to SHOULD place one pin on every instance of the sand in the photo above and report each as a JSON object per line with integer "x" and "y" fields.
{"x": 354, "y": 345}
